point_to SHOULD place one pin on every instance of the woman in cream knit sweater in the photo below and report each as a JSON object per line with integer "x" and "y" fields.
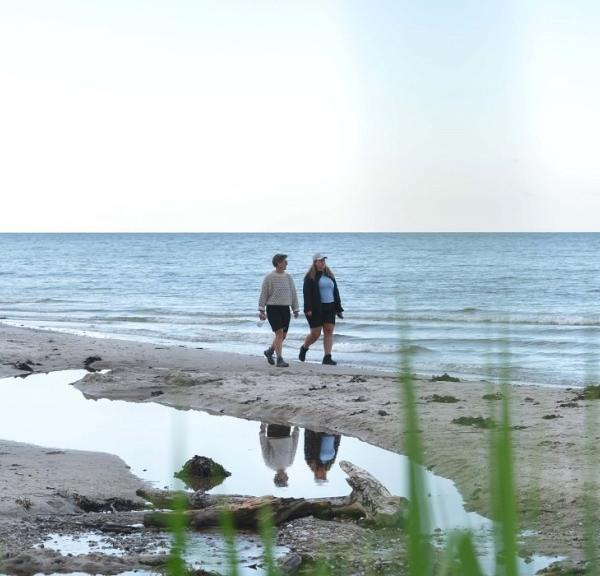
{"x": 278, "y": 293}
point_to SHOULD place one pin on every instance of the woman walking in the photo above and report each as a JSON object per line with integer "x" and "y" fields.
{"x": 321, "y": 305}
{"x": 278, "y": 293}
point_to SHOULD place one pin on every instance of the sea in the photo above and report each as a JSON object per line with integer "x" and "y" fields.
{"x": 522, "y": 307}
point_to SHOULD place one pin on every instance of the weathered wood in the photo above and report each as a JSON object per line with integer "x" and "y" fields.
{"x": 172, "y": 499}
{"x": 369, "y": 499}
{"x": 380, "y": 506}
{"x": 246, "y": 513}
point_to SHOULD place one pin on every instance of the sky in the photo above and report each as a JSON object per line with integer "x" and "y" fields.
{"x": 312, "y": 115}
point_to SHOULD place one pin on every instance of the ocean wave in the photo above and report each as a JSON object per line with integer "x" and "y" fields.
{"x": 380, "y": 348}
{"x": 24, "y": 304}
{"x": 504, "y": 319}
{"x": 133, "y": 319}
{"x": 353, "y": 325}
{"x": 469, "y": 315}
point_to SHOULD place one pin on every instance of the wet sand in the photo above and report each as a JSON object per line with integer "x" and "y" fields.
{"x": 553, "y": 459}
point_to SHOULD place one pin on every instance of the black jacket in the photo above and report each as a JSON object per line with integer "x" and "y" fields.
{"x": 312, "y": 447}
{"x": 312, "y": 295}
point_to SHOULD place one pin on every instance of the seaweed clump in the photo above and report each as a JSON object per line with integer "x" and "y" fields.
{"x": 445, "y": 377}
{"x": 442, "y": 399}
{"x": 591, "y": 392}
{"x": 493, "y": 396}
{"x": 202, "y": 473}
{"x": 475, "y": 421}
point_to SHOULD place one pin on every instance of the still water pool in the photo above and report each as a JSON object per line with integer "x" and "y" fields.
{"x": 156, "y": 440}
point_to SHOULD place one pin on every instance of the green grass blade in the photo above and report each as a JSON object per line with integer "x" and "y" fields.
{"x": 467, "y": 557}
{"x": 502, "y": 483}
{"x": 267, "y": 535}
{"x": 228, "y": 530}
{"x": 418, "y": 523}
{"x": 460, "y": 557}
{"x": 590, "y": 495}
{"x": 177, "y": 527}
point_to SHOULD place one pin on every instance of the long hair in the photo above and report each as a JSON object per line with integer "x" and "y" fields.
{"x": 312, "y": 272}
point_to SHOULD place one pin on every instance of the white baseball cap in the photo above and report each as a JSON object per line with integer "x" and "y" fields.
{"x": 318, "y": 256}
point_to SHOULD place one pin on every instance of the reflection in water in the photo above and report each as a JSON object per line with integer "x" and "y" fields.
{"x": 278, "y": 444}
{"x": 320, "y": 452}
{"x": 156, "y": 440}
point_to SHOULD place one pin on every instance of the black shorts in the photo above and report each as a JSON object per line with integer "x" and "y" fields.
{"x": 279, "y": 317}
{"x": 278, "y": 431}
{"x": 325, "y": 316}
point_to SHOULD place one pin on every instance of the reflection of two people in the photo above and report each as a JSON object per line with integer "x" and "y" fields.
{"x": 278, "y": 444}
{"x": 320, "y": 451}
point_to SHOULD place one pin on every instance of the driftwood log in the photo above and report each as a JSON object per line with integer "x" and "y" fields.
{"x": 380, "y": 507}
{"x": 172, "y": 499}
{"x": 369, "y": 499}
{"x": 245, "y": 512}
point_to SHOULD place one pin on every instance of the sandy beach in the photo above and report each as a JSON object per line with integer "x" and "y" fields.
{"x": 553, "y": 459}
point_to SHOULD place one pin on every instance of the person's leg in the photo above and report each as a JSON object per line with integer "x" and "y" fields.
{"x": 312, "y": 337}
{"x": 278, "y": 342}
{"x": 281, "y": 363}
{"x": 279, "y": 318}
{"x": 269, "y": 353}
{"x": 328, "y": 338}
{"x": 285, "y": 324}
{"x": 273, "y": 319}
{"x": 328, "y": 326}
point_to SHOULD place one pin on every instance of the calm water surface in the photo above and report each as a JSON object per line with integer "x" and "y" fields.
{"x": 155, "y": 441}
{"x": 452, "y": 300}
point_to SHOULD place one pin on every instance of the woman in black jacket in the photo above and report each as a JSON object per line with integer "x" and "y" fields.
{"x": 321, "y": 305}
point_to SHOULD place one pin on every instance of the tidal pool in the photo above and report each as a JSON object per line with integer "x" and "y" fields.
{"x": 204, "y": 550}
{"x": 156, "y": 440}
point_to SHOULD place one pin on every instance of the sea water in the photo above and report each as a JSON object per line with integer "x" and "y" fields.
{"x": 467, "y": 304}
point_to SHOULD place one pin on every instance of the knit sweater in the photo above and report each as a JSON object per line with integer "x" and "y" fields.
{"x": 279, "y": 453}
{"x": 278, "y": 290}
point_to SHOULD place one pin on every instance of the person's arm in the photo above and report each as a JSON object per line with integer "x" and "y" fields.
{"x": 295, "y": 435}
{"x": 264, "y": 295}
{"x": 265, "y": 449}
{"x": 337, "y": 299}
{"x": 307, "y": 293}
{"x": 295, "y": 305}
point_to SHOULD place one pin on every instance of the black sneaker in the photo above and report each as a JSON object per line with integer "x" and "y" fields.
{"x": 302, "y": 355}
{"x": 281, "y": 363}
{"x": 327, "y": 359}
{"x": 269, "y": 355}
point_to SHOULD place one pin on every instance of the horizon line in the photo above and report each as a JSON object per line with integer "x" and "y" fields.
{"x": 302, "y": 232}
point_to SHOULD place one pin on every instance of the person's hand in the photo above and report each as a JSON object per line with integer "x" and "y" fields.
{"x": 340, "y": 315}
{"x": 308, "y": 313}
{"x": 263, "y": 427}
{"x": 262, "y": 315}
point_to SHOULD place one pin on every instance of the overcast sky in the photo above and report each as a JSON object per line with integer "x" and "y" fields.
{"x": 123, "y": 115}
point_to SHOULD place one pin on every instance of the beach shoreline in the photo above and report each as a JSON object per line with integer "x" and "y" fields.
{"x": 361, "y": 403}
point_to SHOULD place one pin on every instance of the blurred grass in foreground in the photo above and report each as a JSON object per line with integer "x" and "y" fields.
{"x": 458, "y": 557}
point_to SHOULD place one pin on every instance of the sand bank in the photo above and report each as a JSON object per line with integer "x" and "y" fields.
{"x": 552, "y": 458}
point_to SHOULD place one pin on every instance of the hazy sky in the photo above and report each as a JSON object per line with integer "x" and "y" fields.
{"x": 122, "y": 115}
